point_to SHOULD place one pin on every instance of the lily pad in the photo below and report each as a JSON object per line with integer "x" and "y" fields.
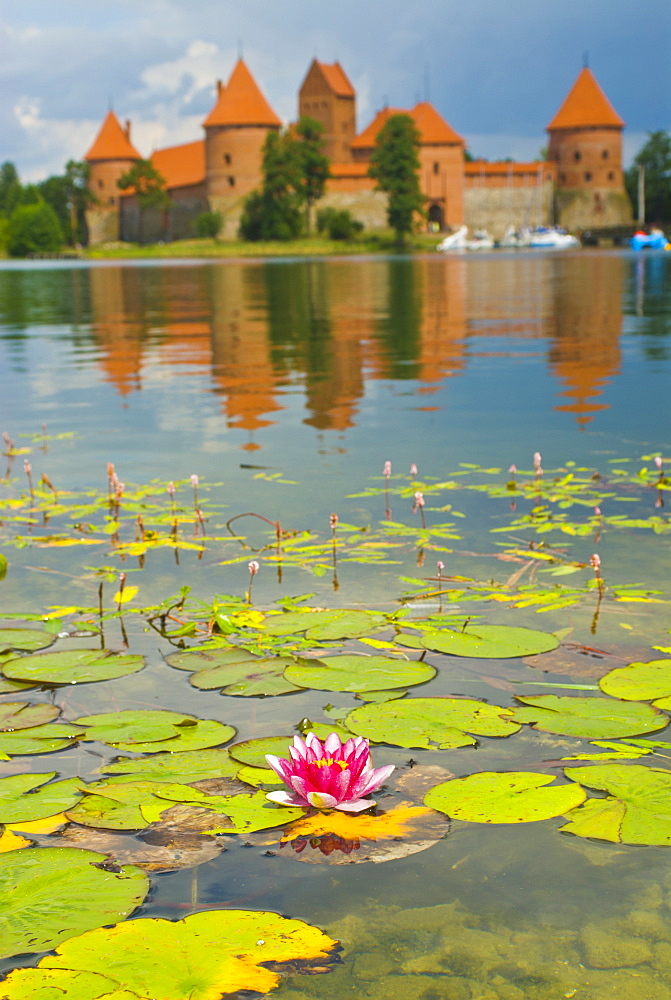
{"x": 154, "y": 850}
{"x": 155, "y": 730}
{"x": 185, "y": 768}
{"x": 589, "y": 718}
{"x": 48, "y": 984}
{"x": 39, "y": 739}
{"x": 21, "y": 715}
{"x": 9, "y": 687}
{"x": 325, "y": 625}
{"x": 636, "y": 810}
{"x": 243, "y": 813}
{"x": 251, "y": 678}
{"x": 201, "y": 957}
{"x": 202, "y": 659}
{"x": 17, "y": 805}
{"x": 35, "y": 881}
{"x": 254, "y": 751}
{"x": 128, "y": 805}
{"x": 28, "y": 639}
{"x": 421, "y": 722}
{"x": 490, "y": 641}
{"x": 72, "y": 666}
{"x": 504, "y": 797}
{"x": 639, "y": 681}
{"x": 354, "y": 672}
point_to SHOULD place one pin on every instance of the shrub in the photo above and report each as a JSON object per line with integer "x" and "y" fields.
{"x": 338, "y": 224}
{"x": 208, "y": 224}
{"x": 33, "y": 228}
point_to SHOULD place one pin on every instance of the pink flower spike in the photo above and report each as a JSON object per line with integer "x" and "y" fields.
{"x": 328, "y": 775}
{"x": 512, "y": 470}
{"x": 413, "y": 470}
{"x": 253, "y": 567}
{"x": 194, "y": 479}
{"x": 537, "y": 461}
{"x": 387, "y": 469}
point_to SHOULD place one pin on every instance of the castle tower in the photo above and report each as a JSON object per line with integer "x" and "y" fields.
{"x": 327, "y": 96}
{"x": 585, "y": 142}
{"x": 235, "y": 131}
{"x": 111, "y": 155}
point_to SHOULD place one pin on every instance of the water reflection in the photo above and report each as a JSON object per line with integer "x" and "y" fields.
{"x": 261, "y": 333}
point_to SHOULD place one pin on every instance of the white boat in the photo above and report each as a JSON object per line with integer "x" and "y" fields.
{"x": 482, "y": 240}
{"x": 455, "y": 241}
{"x": 552, "y": 238}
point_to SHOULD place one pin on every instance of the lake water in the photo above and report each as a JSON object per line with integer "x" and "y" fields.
{"x": 285, "y": 385}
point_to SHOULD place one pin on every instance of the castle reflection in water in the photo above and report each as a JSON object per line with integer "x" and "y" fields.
{"x": 259, "y": 332}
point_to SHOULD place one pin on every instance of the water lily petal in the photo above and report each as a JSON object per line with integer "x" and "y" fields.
{"x": 285, "y": 799}
{"x": 332, "y": 745}
{"x": 321, "y": 800}
{"x": 355, "y": 805}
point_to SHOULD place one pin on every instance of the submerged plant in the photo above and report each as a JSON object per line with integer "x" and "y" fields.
{"x": 328, "y": 775}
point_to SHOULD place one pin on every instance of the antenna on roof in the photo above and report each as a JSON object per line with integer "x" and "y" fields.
{"x": 585, "y": 60}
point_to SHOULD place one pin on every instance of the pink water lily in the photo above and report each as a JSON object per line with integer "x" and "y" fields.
{"x": 328, "y": 775}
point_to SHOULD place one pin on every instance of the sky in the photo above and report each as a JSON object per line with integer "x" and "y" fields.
{"x": 497, "y": 70}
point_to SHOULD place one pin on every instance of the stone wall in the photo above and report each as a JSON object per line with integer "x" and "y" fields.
{"x": 102, "y": 225}
{"x": 496, "y": 208}
{"x": 593, "y": 208}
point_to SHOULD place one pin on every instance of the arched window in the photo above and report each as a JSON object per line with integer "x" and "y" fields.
{"x": 588, "y": 176}
{"x": 577, "y": 156}
{"x": 436, "y": 168}
{"x": 611, "y": 175}
{"x": 604, "y": 154}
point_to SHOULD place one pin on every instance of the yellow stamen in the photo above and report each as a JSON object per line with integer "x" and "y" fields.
{"x": 328, "y": 761}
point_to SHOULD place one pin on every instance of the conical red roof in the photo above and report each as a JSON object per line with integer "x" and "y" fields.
{"x": 112, "y": 143}
{"x": 586, "y": 105}
{"x": 241, "y": 102}
{"x": 432, "y": 127}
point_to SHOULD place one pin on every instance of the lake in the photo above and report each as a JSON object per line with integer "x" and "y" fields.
{"x": 193, "y": 417}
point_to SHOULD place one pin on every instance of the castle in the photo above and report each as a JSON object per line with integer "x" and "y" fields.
{"x": 580, "y": 185}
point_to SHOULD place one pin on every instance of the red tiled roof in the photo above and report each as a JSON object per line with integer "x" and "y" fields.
{"x": 432, "y": 126}
{"x": 585, "y": 105}
{"x": 181, "y": 166}
{"x": 349, "y": 170}
{"x": 112, "y": 142}
{"x": 336, "y": 78}
{"x": 241, "y": 102}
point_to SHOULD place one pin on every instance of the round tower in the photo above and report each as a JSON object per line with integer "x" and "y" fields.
{"x": 235, "y": 131}
{"x": 111, "y": 155}
{"x": 585, "y": 142}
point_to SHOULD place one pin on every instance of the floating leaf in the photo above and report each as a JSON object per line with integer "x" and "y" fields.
{"x": 639, "y": 681}
{"x": 28, "y": 639}
{"x": 154, "y": 730}
{"x": 185, "y": 767}
{"x": 417, "y": 722}
{"x": 72, "y": 666}
{"x": 353, "y": 672}
{"x": 128, "y": 805}
{"x": 490, "y": 641}
{"x": 20, "y": 715}
{"x": 201, "y": 957}
{"x": 325, "y": 625}
{"x": 254, "y": 751}
{"x": 154, "y": 850}
{"x": 203, "y": 659}
{"x": 590, "y": 718}
{"x": 35, "y": 881}
{"x": 252, "y": 676}
{"x": 49, "y": 984}
{"x": 9, "y": 687}
{"x": 17, "y": 805}
{"x": 39, "y": 739}
{"x": 504, "y": 797}
{"x": 243, "y": 813}
{"x": 636, "y": 810}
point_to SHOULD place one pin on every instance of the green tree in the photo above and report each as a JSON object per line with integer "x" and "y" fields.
{"x": 395, "y": 166}
{"x": 314, "y": 165}
{"x": 149, "y": 188}
{"x": 10, "y": 189}
{"x": 33, "y": 228}
{"x": 208, "y": 224}
{"x": 655, "y": 157}
{"x": 275, "y": 212}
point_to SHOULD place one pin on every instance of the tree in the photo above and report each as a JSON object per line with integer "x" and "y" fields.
{"x": 149, "y": 188}
{"x": 315, "y": 168}
{"x": 395, "y": 166}
{"x": 208, "y": 224}
{"x": 10, "y": 188}
{"x": 655, "y": 157}
{"x": 275, "y": 212}
{"x": 33, "y": 228}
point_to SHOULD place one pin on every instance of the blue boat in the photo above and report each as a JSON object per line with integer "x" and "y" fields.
{"x": 654, "y": 240}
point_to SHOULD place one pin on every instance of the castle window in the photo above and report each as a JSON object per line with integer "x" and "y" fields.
{"x": 112, "y": 201}
{"x": 604, "y": 154}
{"x": 562, "y": 178}
{"x": 577, "y": 156}
{"x": 436, "y": 168}
{"x": 227, "y": 157}
{"x": 231, "y": 181}
{"x": 588, "y": 176}
{"x": 100, "y": 184}
{"x": 611, "y": 175}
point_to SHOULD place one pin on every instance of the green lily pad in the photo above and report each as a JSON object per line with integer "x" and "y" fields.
{"x": 72, "y": 666}
{"x": 9, "y": 687}
{"x": 34, "y": 882}
{"x": 150, "y": 957}
{"x": 247, "y": 812}
{"x": 589, "y": 718}
{"x": 28, "y": 639}
{"x": 639, "y": 681}
{"x": 18, "y": 806}
{"x": 325, "y": 625}
{"x": 254, "y": 751}
{"x": 504, "y": 797}
{"x": 129, "y": 805}
{"x": 421, "y": 722}
{"x": 20, "y": 715}
{"x": 255, "y": 677}
{"x": 155, "y": 730}
{"x": 636, "y": 810}
{"x": 353, "y": 672}
{"x": 187, "y": 767}
{"x": 39, "y": 739}
{"x": 201, "y": 659}
{"x": 490, "y": 641}
{"x": 50, "y": 984}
